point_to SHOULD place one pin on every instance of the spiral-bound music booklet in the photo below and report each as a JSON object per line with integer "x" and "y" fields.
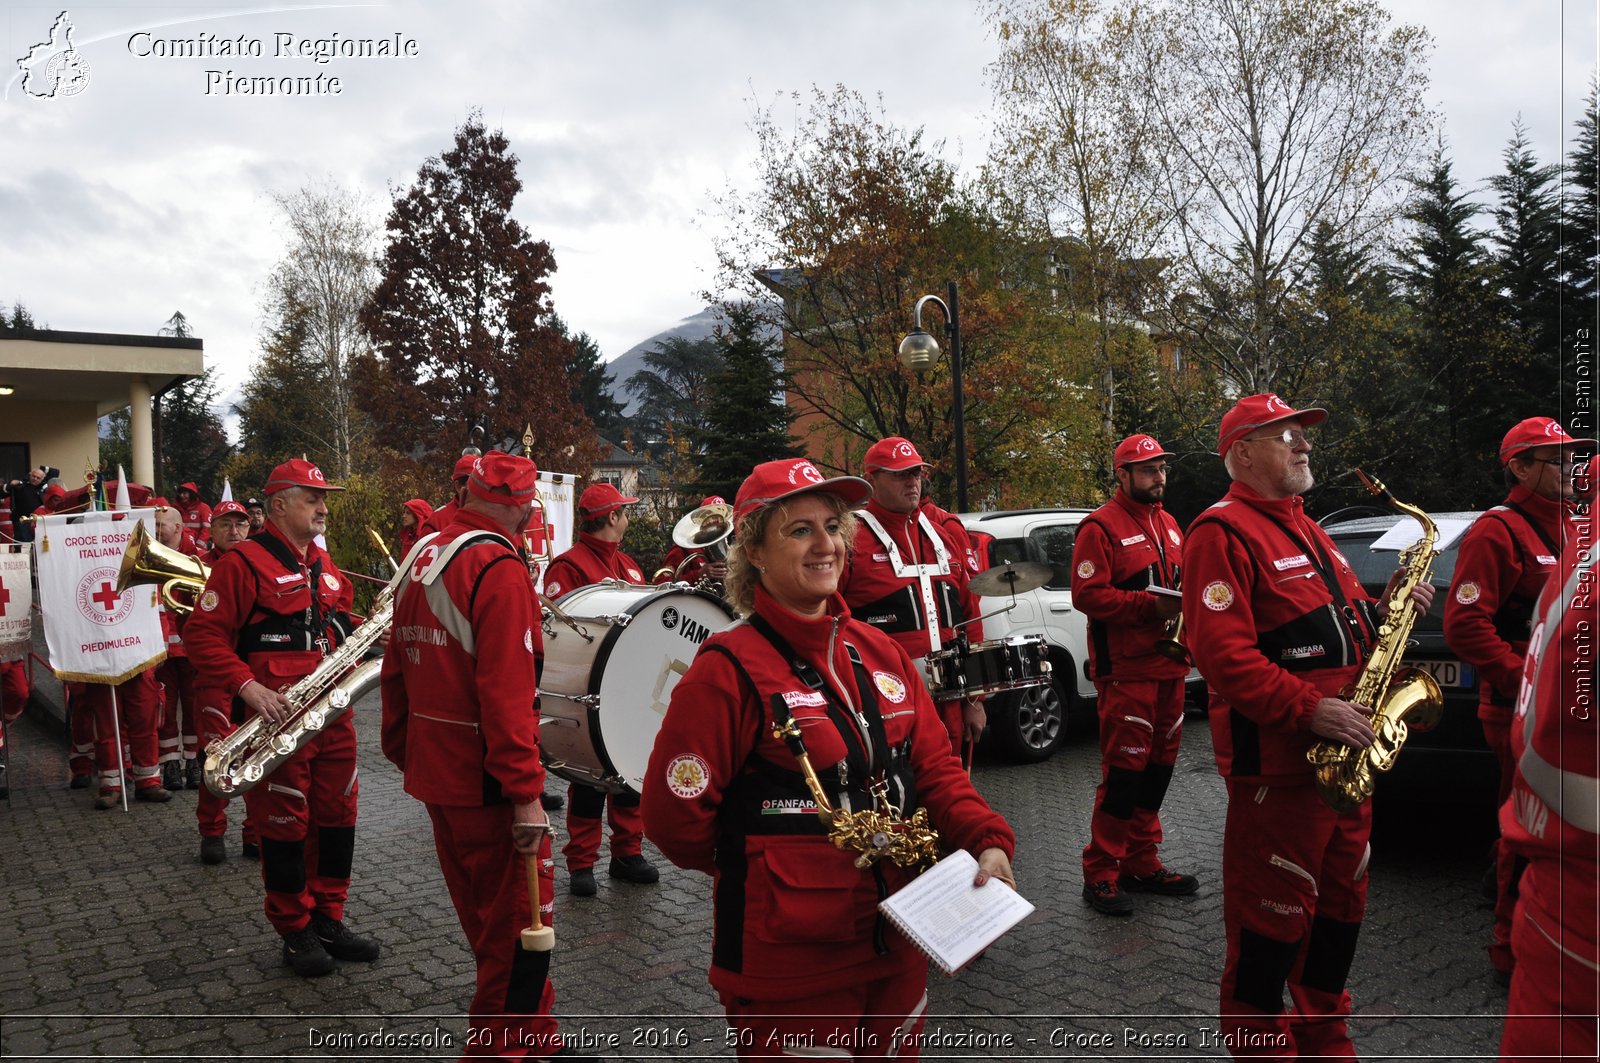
{"x": 950, "y": 919}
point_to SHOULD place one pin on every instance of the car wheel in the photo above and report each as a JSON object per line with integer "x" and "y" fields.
{"x": 1029, "y": 723}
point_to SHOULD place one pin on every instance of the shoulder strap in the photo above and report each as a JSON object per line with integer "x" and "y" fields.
{"x": 1540, "y": 532}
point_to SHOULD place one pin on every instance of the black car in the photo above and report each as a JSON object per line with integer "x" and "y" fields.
{"x": 1452, "y": 762}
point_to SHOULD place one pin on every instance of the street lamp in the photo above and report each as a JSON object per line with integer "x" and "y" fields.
{"x": 919, "y": 352}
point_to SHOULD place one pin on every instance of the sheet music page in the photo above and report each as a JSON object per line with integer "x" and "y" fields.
{"x": 948, "y": 917}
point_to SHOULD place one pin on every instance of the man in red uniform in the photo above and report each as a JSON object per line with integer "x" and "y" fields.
{"x": 441, "y": 517}
{"x": 1124, "y": 554}
{"x": 1552, "y": 820}
{"x": 230, "y": 524}
{"x": 597, "y": 555}
{"x": 1278, "y": 624}
{"x": 1505, "y": 559}
{"x": 13, "y": 699}
{"x": 697, "y": 565}
{"x": 275, "y": 605}
{"x": 908, "y": 579}
{"x": 195, "y": 513}
{"x": 175, "y": 675}
{"x": 257, "y": 513}
{"x": 468, "y": 644}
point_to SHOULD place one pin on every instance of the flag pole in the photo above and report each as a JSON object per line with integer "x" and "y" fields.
{"x": 116, "y": 730}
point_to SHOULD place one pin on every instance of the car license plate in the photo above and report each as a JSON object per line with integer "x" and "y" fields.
{"x": 1449, "y": 673}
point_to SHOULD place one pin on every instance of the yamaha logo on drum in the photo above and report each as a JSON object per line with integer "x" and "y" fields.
{"x": 690, "y": 629}
{"x": 669, "y": 618}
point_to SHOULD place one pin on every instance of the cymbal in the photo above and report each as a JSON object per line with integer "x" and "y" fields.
{"x": 1013, "y": 578}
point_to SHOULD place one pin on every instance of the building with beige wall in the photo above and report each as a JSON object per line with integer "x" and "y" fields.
{"x": 55, "y": 386}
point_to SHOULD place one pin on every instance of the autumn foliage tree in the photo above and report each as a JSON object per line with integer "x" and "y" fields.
{"x": 463, "y": 330}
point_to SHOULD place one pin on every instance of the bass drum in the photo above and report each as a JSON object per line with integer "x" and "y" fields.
{"x": 607, "y": 681}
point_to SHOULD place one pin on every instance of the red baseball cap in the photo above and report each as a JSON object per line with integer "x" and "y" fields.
{"x": 464, "y": 466}
{"x": 600, "y": 499}
{"x": 1137, "y": 448}
{"x": 713, "y": 500}
{"x": 895, "y": 454}
{"x": 504, "y": 479}
{"x": 228, "y": 509}
{"x": 773, "y": 481}
{"x": 190, "y": 486}
{"x": 1537, "y": 432}
{"x": 297, "y": 472}
{"x": 1258, "y": 411}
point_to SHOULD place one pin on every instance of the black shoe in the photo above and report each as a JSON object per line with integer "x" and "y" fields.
{"x": 213, "y": 850}
{"x": 172, "y": 775}
{"x": 340, "y": 943}
{"x": 582, "y": 883}
{"x": 552, "y": 802}
{"x": 191, "y": 775}
{"x": 1162, "y": 881}
{"x": 109, "y": 799}
{"x": 157, "y": 794}
{"x": 634, "y": 868}
{"x": 303, "y": 952}
{"x": 79, "y": 782}
{"x": 250, "y": 851}
{"x": 1107, "y": 898}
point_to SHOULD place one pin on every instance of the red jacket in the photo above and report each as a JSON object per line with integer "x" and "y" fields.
{"x": 1265, "y": 631}
{"x": 196, "y": 520}
{"x": 256, "y": 618}
{"x": 460, "y": 674}
{"x": 589, "y": 561}
{"x": 1551, "y": 817}
{"x": 893, "y": 604}
{"x": 1502, "y": 565}
{"x": 721, "y": 795}
{"x": 691, "y": 572}
{"x": 441, "y": 519}
{"x": 1120, "y": 549}
{"x": 956, "y": 533}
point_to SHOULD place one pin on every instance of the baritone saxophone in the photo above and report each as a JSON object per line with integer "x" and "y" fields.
{"x": 1401, "y": 698}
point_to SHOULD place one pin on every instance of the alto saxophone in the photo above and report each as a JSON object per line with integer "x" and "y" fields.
{"x": 1400, "y": 697}
{"x": 256, "y": 748}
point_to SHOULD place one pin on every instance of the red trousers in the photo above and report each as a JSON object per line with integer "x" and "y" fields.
{"x": 1507, "y": 865}
{"x": 306, "y": 813}
{"x": 178, "y": 731}
{"x": 584, "y": 806}
{"x": 138, "y": 709}
{"x": 488, "y": 882}
{"x": 1141, "y": 723}
{"x": 211, "y": 811}
{"x": 875, "y": 1020}
{"x": 13, "y": 691}
{"x": 1294, "y": 891}
{"x": 1555, "y": 994}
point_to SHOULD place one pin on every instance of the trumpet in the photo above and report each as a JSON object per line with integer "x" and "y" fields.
{"x": 1171, "y": 645}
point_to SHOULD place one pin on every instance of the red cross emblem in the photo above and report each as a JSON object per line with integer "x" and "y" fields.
{"x": 106, "y": 597}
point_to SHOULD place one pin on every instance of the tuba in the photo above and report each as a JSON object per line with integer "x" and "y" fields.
{"x": 1400, "y": 697}
{"x": 146, "y": 561}
{"x": 705, "y": 530}
{"x": 256, "y": 748}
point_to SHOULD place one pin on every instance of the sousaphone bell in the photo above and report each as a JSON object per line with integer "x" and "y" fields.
{"x": 707, "y": 530}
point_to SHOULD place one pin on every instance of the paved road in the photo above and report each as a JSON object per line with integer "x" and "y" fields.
{"x": 119, "y": 944}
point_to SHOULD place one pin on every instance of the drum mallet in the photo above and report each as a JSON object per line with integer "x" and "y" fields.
{"x": 538, "y": 937}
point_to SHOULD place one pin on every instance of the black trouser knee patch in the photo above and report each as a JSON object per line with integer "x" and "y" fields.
{"x": 1122, "y": 791}
{"x": 625, "y": 800}
{"x": 336, "y": 847}
{"x": 1329, "y": 954}
{"x": 1153, "y": 783}
{"x": 528, "y": 973}
{"x": 1263, "y": 971}
{"x": 283, "y": 865}
{"x": 587, "y": 802}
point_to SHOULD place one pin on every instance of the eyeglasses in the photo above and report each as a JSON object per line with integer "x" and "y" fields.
{"x": 1558, "y": 462}
{"x": 1289, "y": 437}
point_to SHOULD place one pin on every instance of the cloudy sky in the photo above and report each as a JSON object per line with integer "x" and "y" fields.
{"x": 144, "y": 193}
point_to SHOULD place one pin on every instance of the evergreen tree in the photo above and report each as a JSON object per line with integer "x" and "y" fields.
{"x": 1527, "y": 241}
{"x": 746, "y": 419}
{"x": 279, "y": 414}
{"x": 672, "y": 389}
{"x": 1581, "y": 262}
{"x": 194, "y": 443}
{"x": 593, "y": 385}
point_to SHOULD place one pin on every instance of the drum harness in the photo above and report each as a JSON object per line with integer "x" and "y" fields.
{"x": 921, "y": 573}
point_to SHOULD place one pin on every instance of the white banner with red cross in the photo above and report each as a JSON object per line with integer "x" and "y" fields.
{"x": 16, "y": 602}
{"x": 95, "y": 635}
{"x": 558, "y": 494}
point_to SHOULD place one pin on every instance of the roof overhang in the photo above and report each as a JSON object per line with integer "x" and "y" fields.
{"x": 44, "y": 365}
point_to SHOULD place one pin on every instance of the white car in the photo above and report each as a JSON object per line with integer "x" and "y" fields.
{"x": 1027, "y": 725}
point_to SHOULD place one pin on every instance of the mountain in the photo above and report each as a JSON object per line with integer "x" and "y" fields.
{"x": 695, "y": 327}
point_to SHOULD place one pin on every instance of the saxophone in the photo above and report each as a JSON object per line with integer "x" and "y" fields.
{"x": 237, "y": 762}
{"x": 1400, "y": 697}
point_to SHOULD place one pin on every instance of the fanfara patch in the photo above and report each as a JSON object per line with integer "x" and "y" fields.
{"x": 1217, "y": 596}
{"x": 209, "y": 601}
{"x": 527, "y": 640}
{"x": 890, "y": 686}
{"x": 688, "y": 776}
{"x": 1468, "y": 593}
{"x": 1085, "y": 569}
{"x": 1172, "y": 533}
{"x": 552, "y": 589}
{"x": 331, "y": 580}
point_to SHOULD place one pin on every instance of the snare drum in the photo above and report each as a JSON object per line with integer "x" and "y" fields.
{"x": 983, "y": 668}
{"x": 602, "y": 697}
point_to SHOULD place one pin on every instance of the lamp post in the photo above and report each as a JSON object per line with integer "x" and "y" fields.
{"x": 919, "y": 352}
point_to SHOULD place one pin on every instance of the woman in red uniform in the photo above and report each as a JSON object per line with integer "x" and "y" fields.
{"x": 800, "y": 951}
